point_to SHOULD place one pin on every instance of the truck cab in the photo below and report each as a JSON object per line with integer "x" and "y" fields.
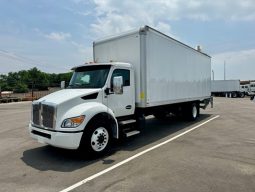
{"x": 85, "y": 113}
{"x": 245, "y": 88}
{"x": 252, "y": 87}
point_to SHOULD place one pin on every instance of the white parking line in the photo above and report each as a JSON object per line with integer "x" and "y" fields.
{"x": 133, "y": 157}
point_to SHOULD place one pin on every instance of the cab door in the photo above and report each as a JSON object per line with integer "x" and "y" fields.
{"x": 122, "y": 104}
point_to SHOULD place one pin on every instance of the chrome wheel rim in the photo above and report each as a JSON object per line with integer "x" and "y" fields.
{"x": 99, "y": 139}
{"x": 194, "y": 111}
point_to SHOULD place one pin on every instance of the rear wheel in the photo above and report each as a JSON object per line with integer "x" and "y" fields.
{"x": 192, "y": 111}
{"x": 234, "y": 95}
{"x": 96, "y": 139}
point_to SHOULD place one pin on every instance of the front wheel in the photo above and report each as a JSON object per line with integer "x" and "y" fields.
{"x": 99, "y": 139}
{"x": 242, "y": 94}
{"x": 96, "y": 139}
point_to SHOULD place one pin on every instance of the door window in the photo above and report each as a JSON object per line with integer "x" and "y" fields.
{"x": 125, "y": 75}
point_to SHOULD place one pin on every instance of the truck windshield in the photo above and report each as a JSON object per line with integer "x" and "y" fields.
{"x": 89, "y": 77}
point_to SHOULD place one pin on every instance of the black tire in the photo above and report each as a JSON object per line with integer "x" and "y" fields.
{"x": 242, "y": 94}
{"x": 234, "y": 95}
{"x": 192, "y": 112}
{"x": 96, "y": 140}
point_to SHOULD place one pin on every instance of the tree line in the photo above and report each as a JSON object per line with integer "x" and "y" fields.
{"x": 25, "y": 80}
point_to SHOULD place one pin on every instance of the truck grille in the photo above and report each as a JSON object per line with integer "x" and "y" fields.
{"x": 36, "y": 114}
{"x": 44, "y": 115}
{"x": 48, "y": 113}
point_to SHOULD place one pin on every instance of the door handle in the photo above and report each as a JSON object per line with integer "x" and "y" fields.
{"x": 128, "y": 107}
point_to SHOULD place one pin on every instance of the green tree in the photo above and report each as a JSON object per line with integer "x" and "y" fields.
{"x": 21, "y": 88}
{"x": 37, "y": 79}
{"x": 24, "y": 80}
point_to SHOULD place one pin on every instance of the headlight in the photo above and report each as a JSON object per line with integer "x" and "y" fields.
{"x": 73, "y": 122}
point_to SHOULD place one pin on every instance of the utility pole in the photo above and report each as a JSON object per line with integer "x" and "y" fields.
{"x": 212, "y": 75}
{"x": 224, "y": 70}
{"x": 32, "y": 90}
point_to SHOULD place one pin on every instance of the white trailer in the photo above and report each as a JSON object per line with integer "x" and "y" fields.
{"x": 227, "y": 88}
{"x": 135, "y": 74}
{"x": 166, "y": 70}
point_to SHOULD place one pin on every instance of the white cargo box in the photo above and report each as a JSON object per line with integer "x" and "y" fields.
{"x": 220, "y": 86}
{"x": 166, "y": 70}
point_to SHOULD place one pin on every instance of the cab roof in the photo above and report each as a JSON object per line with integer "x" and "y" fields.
{"x": 120, "y": 64}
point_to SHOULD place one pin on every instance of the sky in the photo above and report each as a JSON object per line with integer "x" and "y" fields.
{"x": 55, "y": 36}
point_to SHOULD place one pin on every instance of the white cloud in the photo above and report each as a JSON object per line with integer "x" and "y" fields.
{"x": 58, "y": 36}
{"x": 239, "y": 65}
{"x": 117, "y": 16}
{"x": 163, "y": 27}
{"x": 85, "y": 53}
{"x": 113, "y": 16}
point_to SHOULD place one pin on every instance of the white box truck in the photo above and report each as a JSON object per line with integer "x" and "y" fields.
{"x": 134, "y": 74}
{"x": 248, "y": 87}
{"x": 252, "y": 88}
{"x": 227, "y": 88}
{"x": 245, "y": 88}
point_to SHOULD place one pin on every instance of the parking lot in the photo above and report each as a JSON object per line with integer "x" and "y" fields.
{"x": 214, "y": 153}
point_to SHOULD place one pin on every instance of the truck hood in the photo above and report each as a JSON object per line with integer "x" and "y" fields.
{"x": 64, "y": 95}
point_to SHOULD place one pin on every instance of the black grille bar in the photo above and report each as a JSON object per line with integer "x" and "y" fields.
{"x": 41, "y": 134}
{"x": 36, "y": 114}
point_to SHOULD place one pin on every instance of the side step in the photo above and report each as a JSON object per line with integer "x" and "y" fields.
{"x": 131, "y": 133}
{"x": 128, "y": 127}
{"x": 127, "y": 122}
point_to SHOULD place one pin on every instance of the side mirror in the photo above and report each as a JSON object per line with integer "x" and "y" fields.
{"x": 118, "y": 85}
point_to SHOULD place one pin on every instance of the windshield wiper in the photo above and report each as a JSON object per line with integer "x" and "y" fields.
{"x": 72, "y": 86}
{"x": 80, "y": 86}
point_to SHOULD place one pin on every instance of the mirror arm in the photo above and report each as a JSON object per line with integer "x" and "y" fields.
{"x": 107, "y": 91}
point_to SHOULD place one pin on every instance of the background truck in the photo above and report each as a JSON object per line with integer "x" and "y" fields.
{"x": 135, "y": 74}
{"x": 251, "y": 88}
{"x": 227, "y": 88}
{"x": 245, "y": 88}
